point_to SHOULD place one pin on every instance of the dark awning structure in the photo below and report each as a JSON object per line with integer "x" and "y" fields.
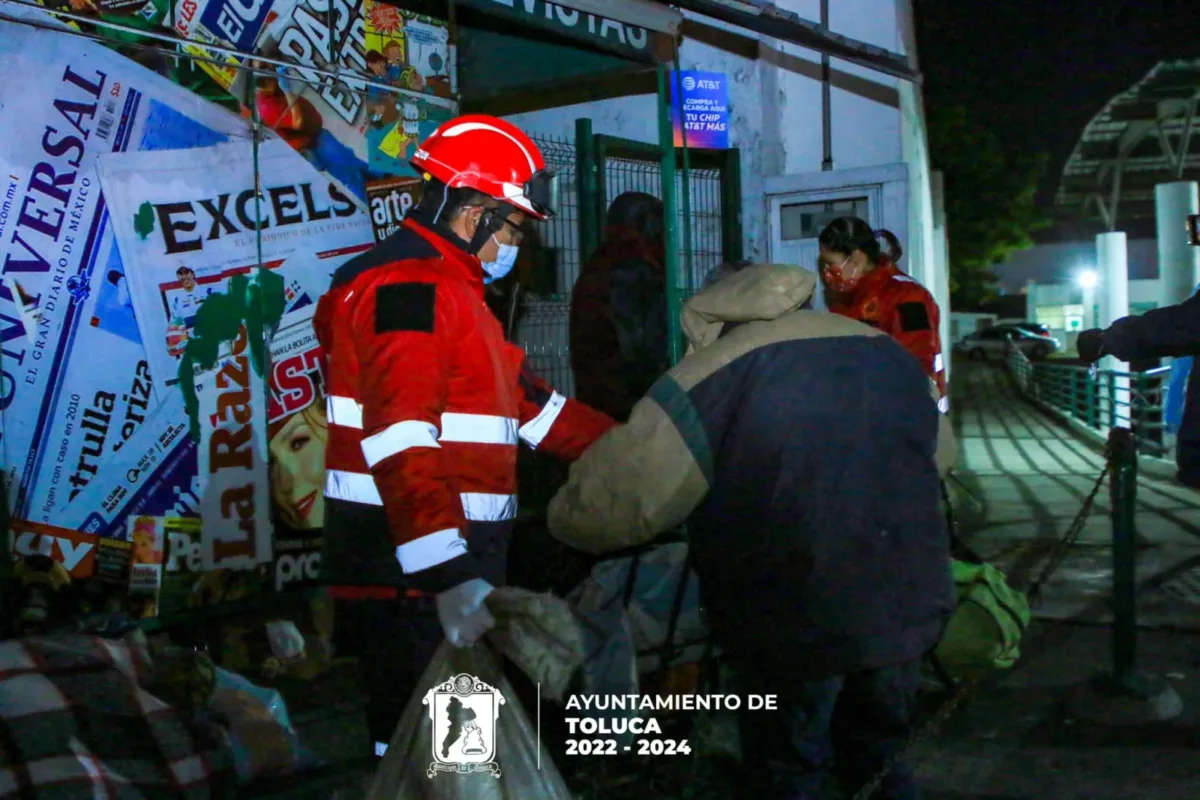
{"x": 574, "y": 51}
{"x": 516, "y": 56}
{"x": 1141, "y": 138}
{"x": 766, "y": 19}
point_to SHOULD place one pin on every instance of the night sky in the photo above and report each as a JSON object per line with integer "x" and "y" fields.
{"x": 1036, "y": 72}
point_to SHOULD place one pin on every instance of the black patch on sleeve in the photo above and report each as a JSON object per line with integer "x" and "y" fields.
{"x": 535, "y": 390}
{"x": 913, "y": 317}
{"x": 405, "y": 307}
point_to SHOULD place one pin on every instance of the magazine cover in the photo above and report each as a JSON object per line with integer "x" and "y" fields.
{"x": 148, "y": 541}
{"x": 74, "y": 370}
{"x": 395, "y": 79}
{"x": 390, "y": 201}
{"x": 185, "y": 226}
{"x": 74, "y": 550}
{"x": 297, "y": 430}
{"x": 187, "y": 583}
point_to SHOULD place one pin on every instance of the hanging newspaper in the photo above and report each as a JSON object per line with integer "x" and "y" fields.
{"x": 222, "y": 477}
{"x": 297, "y": 431}
{"x": 76, "y": 381}
{"x": 235, "y": 502}
{"x": 185, "y": 225}
{"x": 199, "y": 243}
{"x": 155, "y": 474}
{"x": 118, "y": 23}
{"x": 395, "y": 78}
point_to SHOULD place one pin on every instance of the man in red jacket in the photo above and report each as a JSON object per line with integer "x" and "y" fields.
{"x": 864, "y": 283}
{"x": 426, "y": 404}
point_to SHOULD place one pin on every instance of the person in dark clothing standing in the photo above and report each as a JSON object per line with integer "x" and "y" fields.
{"x": 618, "y": 327}
{"x": 804, "y": 451}
{"x": 1171, "y": 332}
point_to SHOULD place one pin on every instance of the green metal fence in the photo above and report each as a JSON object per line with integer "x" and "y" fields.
{"x": 555, "y": 252}
{"x": 714, "y": 199}
{"x": 593, "y": 170}
{"x": 1100, "y": 399}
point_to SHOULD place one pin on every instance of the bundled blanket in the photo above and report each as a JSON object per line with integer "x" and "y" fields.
{"x": 76, "y": 720}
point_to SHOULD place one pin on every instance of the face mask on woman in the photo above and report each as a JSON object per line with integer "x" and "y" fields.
{"x": 836, "y": 278}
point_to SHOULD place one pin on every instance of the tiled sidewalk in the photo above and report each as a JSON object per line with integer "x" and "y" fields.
{"x": 1030, "y": 477}
{"x": 1014, "y": 737}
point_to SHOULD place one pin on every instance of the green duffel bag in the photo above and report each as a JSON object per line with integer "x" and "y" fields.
{"x": 984, "y": 632}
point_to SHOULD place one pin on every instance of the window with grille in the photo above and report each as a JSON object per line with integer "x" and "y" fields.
{"x": 807, "y": 220}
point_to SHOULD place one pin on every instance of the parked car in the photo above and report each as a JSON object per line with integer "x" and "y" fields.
{"x": 1032, "y": 327}
{"x": 993, "y": 343}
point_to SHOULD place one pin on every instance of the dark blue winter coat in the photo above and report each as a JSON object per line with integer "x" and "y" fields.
{"x": 804, "y": 451}
{"x": 1173, "y": 331}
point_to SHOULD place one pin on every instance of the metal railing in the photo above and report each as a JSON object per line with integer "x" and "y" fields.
{"x": 1127, "y": 407}
{"x": 1100, "y": 399}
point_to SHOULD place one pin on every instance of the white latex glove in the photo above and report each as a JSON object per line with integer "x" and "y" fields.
{"x": 462, "y": 612}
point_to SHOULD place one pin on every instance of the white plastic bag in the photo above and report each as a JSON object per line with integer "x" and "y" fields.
{"x": 464, "y": 736}
{"x": 263, "y": 740}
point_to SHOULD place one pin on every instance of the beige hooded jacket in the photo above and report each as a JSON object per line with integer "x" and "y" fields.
{"x": 647, "y": 476}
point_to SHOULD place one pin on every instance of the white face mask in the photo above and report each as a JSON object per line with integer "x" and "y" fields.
{"x": 506, "y": 258}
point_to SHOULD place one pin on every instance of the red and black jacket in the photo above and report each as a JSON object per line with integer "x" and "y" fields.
{"x": 890, "y": 300}
{"x": 426, "y": 404}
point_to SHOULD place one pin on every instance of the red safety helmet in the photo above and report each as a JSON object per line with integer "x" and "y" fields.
{"x": 490, "y": 156}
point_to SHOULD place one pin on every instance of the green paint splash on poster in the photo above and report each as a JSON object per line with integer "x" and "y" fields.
{"x": 143, "y": 221}
{"x": 257, "y": 304}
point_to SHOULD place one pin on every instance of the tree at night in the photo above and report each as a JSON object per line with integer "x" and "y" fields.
{"x": 990, "y": 200}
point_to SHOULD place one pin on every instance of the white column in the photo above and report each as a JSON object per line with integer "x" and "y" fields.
{"x": 1178, "y": 261}
{"x": 1112, "y": 269}
{"x": 941, "y": 265}
{"x": 1089, "y": 307}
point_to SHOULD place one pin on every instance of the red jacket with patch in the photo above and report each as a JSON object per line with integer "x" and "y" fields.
{"x": 426, "y": 404}
{"x": 890, "y": 300}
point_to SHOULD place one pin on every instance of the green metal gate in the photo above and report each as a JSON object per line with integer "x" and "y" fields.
{"x": 706, "y": 198}
{"x": 702, "y": 204}
{"x": 703, "y": 210}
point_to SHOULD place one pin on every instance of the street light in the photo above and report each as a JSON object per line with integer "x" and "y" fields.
{"x": 1088, "y": 279}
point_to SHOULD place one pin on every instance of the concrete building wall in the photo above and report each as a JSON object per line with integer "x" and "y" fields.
{"x": 776, "y": 112}
{"x": 754, "y": 104}
{"x": 879, "y": 145}
{"x": 866, "y": 133}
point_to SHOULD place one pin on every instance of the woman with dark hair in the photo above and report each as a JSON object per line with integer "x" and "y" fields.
{"x": 863, "y": 282}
